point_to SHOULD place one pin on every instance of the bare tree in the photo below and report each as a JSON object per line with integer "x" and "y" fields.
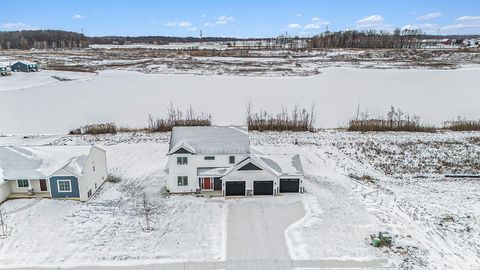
{"x": 5, "y": 230}
{"x": 149, "y": 211}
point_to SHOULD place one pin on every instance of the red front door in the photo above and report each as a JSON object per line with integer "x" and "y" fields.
{"x": 207, "y": 183}
{"x": 43, "y": 185}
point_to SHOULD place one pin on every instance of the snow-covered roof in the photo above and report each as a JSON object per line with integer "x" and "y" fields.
{"x": 210, "y": 140}
{"x": 27, "y": 62}
{"x": 211, "y": 171}
{"x": 283, "y": 164}
{"x": 279, "y": 165}
{"x": 41, "y": 161}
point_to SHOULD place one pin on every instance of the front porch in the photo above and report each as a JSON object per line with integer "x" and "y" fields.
{"x": 26, "y": 195}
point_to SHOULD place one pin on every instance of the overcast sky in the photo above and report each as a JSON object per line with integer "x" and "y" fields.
{"x": 241, "y": 18}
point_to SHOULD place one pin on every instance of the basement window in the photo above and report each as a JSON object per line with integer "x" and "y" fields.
{"x": 209, "y": 158}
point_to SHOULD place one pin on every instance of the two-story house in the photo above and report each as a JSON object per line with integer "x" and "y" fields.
{"x": 209, "y": 159}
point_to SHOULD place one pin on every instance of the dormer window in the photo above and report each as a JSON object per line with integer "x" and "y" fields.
{"x": 209, "y": 158}
{"x": 182, "y": 160}
{"x": 231, "y": 159}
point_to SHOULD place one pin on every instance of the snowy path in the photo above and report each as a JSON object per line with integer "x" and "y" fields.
{"x": 256, "y": 227}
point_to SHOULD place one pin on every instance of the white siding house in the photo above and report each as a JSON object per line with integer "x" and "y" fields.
{"x": 218, "y": 159}
{"x": 70, "y": 172}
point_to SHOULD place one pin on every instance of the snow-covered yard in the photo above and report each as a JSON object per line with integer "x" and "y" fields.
{"x": 351, "y": 193}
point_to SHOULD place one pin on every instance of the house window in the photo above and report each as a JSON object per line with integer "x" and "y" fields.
{"x": 182, "y": 181}
{"x": 182, "y": 160}
{"x": 22, "y": 183}
{"x": 93, "y": 167}
{"x": 95, "y": 185}
{"x": 209, "y": 157}
{"x": 89, "y": 193}
{"x": 231, "y": 159}
{"x": 64, "y": 186}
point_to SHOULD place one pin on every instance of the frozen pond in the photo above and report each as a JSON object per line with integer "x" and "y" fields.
{"x": 128, "y": 97}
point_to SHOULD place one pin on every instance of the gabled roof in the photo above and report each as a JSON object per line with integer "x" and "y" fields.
{"x": 26, "y": 62}
{"x": 41, "y": 161}
{"x": 284, "y": 164}
{"x": 279, "y": 165}
{"x": 210, "y": 140}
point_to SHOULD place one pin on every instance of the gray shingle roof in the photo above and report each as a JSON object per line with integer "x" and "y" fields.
{"x": 211, "y": 140}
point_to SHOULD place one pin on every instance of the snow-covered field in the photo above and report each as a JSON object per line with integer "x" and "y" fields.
{"x": 356, "y": 185}
{"x": 22, "y": 81}
{"x": 127, "y": 98}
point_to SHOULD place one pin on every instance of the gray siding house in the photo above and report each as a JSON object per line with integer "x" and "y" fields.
{"x": 24, "y": 66}
{"x": 68, "y": 172}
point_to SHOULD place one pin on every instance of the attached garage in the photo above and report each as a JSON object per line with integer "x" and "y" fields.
{"x": 235, "y": 188}
{"x": 289, "y": 185}
{"x": 262, "y": 187}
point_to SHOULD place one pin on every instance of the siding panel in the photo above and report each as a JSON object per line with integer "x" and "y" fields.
{"x": 54, "y": 187}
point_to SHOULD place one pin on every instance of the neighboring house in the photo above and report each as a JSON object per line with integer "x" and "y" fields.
{"x": 71, "y": 172}
{"x": 219, "y": 160}
{"x": 4, "y": 70}
{"x": 24, "y": 66}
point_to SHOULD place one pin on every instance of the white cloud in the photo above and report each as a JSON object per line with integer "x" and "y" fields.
{"x": 294, "y": 26}
{"x": 224, "y": 19}
{"x": 468, "y": 18}
{"x": 78, "y": 17}
{"x": 428, "y": 28}
{"x": 371, "y": 20}
{"x": 171, "y": 24}
{"x": 11, "y": 26}
{"x": 429, "y": 16}
{"x": 299, "y": 15}
{"x": 315, "y": 19}
{"x": 193, "y": 29}
{"x": 184, "y": 24}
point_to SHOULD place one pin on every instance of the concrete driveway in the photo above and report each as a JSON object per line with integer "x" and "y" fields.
{"x": 256, "y": 226}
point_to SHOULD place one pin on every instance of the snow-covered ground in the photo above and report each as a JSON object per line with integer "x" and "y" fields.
{"x": 22, "y": 81}
{"x": 127, "y": 98}
{"x": 356, "y": 185}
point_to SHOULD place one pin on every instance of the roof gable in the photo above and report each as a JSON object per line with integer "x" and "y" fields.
{"x": 249, "y": 167}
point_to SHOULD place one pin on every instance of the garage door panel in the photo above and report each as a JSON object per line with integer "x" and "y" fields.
{"x": 263, "y": 188}
{"x": 235, "y": 188}
{"x": 289, "y": 185}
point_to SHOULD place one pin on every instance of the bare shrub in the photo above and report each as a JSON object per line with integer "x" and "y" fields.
{"x": 113, "y": 178}
{"x": 95, "y": 129}
{"x": 396, "y": 120}
{"x": 176, "y": 117}
{"x": 297, "y": 120}
{"x": 5, "y": 230}
{"x": 462, "y": 125}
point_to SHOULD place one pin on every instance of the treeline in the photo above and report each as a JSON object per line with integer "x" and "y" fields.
{"x": 399, "y": 39}
{"x": 42, "y": 39}
{"x": 463, "y": 125}
{"x": 396, "y": 120}
{"x": 154, "y": 39}
{"x": 299, "y": 119}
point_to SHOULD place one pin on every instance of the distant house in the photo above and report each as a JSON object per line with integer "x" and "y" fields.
{"x": 69, "y": 172}
{"x": 218, "y": 160}
{"x": 24, "y": 66}
{"x": 4, "y": 70}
